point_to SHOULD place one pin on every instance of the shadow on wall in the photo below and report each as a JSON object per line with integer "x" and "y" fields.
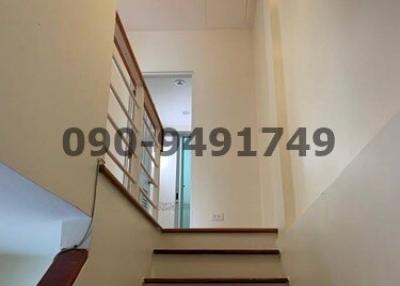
{"x": 282, "y": 115}
{"x": 351, "y": 234}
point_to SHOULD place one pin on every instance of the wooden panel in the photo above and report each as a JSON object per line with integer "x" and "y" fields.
{"x": 65, "y": 268}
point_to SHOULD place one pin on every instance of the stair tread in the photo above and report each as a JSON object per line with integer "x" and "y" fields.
{"x": 220, "y": 230}
{"x": 186, "y": 251}
{"x": 216, "y": 280}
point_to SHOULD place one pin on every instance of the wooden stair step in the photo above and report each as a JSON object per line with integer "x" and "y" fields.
{"x": 216, "y": 251}
{"x": 220, "y": 230}
{"x": 216, "y": 281}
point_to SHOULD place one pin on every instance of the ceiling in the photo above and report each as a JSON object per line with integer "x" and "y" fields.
{"x": 152, "y": 15}
{"x": 32, "y": 219}
{"x": 173, "y": 103}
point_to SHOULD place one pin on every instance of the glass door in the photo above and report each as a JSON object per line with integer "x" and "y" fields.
{"x": 185, "y": 196}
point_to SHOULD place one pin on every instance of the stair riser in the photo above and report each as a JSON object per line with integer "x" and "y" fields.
{"x": 215, "y": 241}
{"x": 218, "y": 266}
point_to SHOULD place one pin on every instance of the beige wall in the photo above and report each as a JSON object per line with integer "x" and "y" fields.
{"x": 122, "y": 243}
{"x": 223, "y": 95}
{"x": 350, "y": 235}
{"x": 341, "y": 66}
{"x": 55, "y": 72}
{"x": 335, "y": 64}
{"x": 304, "y": 74}
{"x": 267, "y": 116}
{"x": 318, "y": 63}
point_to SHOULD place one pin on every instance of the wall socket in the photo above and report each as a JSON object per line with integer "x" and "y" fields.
{"x": 218, "y": 217}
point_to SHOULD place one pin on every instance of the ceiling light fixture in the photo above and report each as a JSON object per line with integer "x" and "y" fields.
{"x": 179, "y": 82}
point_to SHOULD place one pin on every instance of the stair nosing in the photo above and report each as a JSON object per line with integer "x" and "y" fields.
{"x": 216, "y": 280}
{"x": 218, "y": 251}
{"x": 221, "y": 230}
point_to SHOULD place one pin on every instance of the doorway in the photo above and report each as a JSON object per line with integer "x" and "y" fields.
{"x": 172, "y": 96}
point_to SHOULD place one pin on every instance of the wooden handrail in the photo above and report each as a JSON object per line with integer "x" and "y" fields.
{"x": 151, "y": 111}
{"x": 123, "y": 45}
{"x": 65, "y": 268}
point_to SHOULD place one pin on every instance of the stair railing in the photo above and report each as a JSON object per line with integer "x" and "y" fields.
{"x": 134, "y": 159}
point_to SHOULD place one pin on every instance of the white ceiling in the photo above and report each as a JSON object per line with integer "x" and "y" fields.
{"x": 32, "y": 220}
{"x": 151, "y": 15}
{"x": 172, "y": 101}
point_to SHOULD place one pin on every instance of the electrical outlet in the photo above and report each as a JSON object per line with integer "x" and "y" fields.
{"x": 218, "y": 217}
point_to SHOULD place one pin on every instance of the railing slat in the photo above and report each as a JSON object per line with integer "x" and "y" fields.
{"x": 153, "y": 136}
{"x": 151, "y": 157}
{"x": 118, "y": 163}
{"x": 123, "y": 108}
{"x": 153, "y": 182}
{"x": 153, "y": 204}
{"x": 132, "y": 95}
{"x": 115, "y": 126}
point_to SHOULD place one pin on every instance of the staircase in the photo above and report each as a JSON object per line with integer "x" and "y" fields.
{"x": 217, "y": 256}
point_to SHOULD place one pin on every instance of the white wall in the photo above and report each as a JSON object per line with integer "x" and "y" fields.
{"x": 223, "y": 95}
{"x": 24, "y": 270}
{"x": 173, "y": 102}
{"x": 350, "y": 235}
